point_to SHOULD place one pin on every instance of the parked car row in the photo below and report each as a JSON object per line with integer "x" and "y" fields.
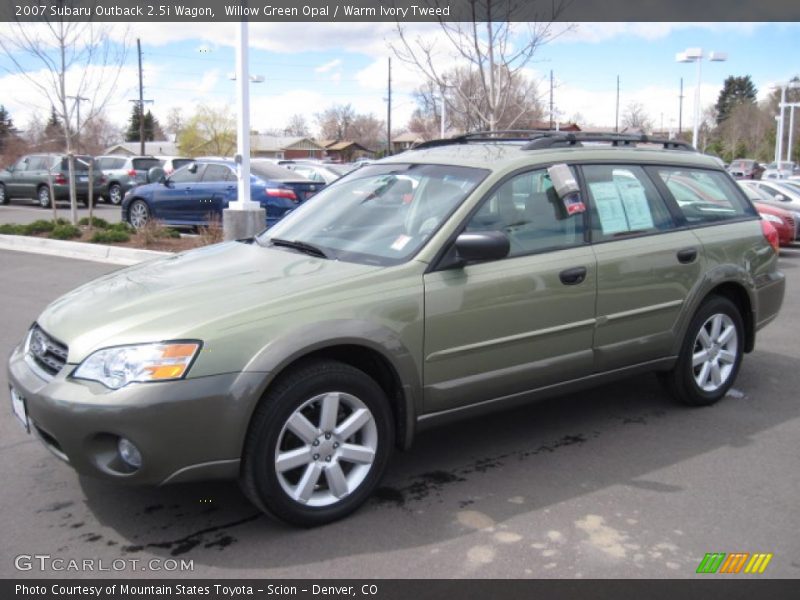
{"x": 782, "y": 213}
{"x": 112, "y": 176}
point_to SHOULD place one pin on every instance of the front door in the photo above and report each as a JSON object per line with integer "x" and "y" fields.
{"x": 500, "y": 328}
{"x": 174, "y": 199}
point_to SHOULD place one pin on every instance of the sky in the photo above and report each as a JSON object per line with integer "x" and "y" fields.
{"x": 308, "y": 67}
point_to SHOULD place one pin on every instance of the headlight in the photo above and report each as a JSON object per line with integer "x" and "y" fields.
{"x": 119, "y": 366}
{"x": 772, "y": 218}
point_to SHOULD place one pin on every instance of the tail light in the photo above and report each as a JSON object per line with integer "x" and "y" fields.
{"x": 103, "y": 179}
{"x": 132, "y": 173}
{"x": 60, "y": 179}
{"x": 771, "y": 235}
{"x": 281, "y": 193}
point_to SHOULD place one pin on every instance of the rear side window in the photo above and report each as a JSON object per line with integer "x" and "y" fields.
{"x": 110, "y": 163}
{"x": 38, "y": 163}
{"x": 81, "y": 163}
{"x": 705, "y": 196}
{"x": 624, "y": 201}
{"x": 218, "y": 173}
{"x": 145, "y": 164}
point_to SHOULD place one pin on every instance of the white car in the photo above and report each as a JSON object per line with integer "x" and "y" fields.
{"x": 783, "y": 194}
{"x": 785, "y": 170}
{"x": 170, "y": 164}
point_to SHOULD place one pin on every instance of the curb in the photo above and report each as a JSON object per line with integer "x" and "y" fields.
{"x": 114, "y": 255}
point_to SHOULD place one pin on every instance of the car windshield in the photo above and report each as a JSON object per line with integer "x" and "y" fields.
{"x": 379, "y": 214}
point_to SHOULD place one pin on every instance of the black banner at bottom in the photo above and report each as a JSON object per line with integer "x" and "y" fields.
{"x": 396, "y": 589}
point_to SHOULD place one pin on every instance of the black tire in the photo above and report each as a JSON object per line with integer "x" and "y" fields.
{"x": 3, "y": 194}
{"x": 114, "y": 194}
{"x": 269, "y": 429}
{"x": 682, "y": 380}
{"x": 43, "y": 196}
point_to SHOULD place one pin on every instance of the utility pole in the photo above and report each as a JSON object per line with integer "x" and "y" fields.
{"x": 140, "y": 102}
{"x": 551, "y": 99}
{"x": 78, "y": 100}
{"x": 616, "y": 111}
{"x": 680, "y": 109}
{"x": 389, "y": 112}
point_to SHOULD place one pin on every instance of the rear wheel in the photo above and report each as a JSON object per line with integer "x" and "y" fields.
{"x": 711, "y": 354}
{"x": 318, "y": 444}
{"x": 115, "y": 194}
{"x": 138, "y": 213}
{"x": 43, "y": 196}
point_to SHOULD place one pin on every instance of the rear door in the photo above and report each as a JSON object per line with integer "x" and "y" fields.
{"x": 647, "y": 264}
{"x": 216, "y": 188}
{"x": 500, "y": 328}
{"x": 17, "y": 184}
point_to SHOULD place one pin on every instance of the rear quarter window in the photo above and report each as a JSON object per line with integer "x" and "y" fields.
{"x": 145, "y": 164}
{"x": 705, "y": 196}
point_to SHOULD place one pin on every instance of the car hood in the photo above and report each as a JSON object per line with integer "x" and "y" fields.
{"x": 194, "y": 294}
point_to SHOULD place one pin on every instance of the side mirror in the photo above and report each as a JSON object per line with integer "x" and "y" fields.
{"x": 482, "y": 245}
{"x": 156, "y": 174}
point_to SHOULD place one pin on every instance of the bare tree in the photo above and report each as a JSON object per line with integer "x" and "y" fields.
{"x": 297, "y": 126}
{"x": 79, "y": 67}
{"x": 335, "y": 121}
{"x": 174, "y": 123}
{"x": 492, "y": 52}
{"x": 636, "y": 117}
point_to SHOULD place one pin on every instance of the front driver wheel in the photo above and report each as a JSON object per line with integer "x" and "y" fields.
{"x": 318, "y": 444}
{"x": 138, "y": 213}
{"x": 711, "y": 354}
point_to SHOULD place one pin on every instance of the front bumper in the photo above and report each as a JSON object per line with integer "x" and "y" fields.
{"x": 186, "y": 430}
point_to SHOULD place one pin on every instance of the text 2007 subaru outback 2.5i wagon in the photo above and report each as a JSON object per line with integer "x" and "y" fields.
{"x": 448, "y": 280}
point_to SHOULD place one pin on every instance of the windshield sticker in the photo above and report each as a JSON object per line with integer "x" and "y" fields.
{"x": 400, "y": 242}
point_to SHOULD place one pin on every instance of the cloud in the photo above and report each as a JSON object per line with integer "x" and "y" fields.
{"x": 603, "y": 32}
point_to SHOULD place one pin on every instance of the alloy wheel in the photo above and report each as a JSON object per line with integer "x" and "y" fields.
{"x": 326, "y": 449}
{"x": 139, "y": 214}
{"x": 714, "y": 353}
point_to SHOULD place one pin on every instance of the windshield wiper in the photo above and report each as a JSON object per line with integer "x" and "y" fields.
{"x": 301, "y": 246}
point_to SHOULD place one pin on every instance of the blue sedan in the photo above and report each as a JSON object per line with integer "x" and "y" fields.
{"x": 199, "y": 191}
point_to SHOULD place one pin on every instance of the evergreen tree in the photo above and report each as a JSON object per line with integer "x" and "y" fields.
{"x": 735, "y": 90}
{"x": 152, "y": 128}
{"x": 54, "y": 131}
{"x": 7, "y": 130}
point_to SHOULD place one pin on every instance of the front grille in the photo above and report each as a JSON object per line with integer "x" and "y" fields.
{"x": 49, "y": 354}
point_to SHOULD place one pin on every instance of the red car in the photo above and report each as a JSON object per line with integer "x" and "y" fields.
{"x": 782, "y": 220}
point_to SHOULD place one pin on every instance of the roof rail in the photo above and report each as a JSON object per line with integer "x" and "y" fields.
{"x": 554, "y": 139}
{"x": 540, "y": 139}
{"x": 501, "y": 135}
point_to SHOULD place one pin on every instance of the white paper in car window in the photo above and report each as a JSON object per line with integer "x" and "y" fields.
{"x": 634, "y": 200}
{"x": 609, "y": 207}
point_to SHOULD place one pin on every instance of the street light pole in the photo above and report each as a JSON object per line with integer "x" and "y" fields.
{"x": 243, "y": 218}
{"x": 696, "y": 55}
{"x": 792, "y": 106}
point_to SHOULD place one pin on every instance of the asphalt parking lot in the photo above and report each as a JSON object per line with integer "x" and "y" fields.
{"x": 23, "y": 212}
{"x": 614, "y": 482}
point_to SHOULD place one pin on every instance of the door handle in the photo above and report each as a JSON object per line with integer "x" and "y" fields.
{"x": 572, "y": 276}
{"x": 687, "y": 255}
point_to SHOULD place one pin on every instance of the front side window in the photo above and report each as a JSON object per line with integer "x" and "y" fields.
{"x": 188, "y": 174}
{"x": 217, "y": 173}
{"x": 624, "y": 201}
{"x": 528, "y": 210}
{"x": 704, "y": 196}
{"x": 379, "y": 214}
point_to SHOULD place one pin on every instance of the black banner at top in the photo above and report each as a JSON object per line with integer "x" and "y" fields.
{"x": 345, "y": 11}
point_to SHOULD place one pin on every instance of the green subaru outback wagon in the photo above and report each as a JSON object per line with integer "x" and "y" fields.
{"x": 465, "y": 276}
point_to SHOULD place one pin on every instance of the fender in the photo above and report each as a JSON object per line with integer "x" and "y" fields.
{"x": 280, "y": 353}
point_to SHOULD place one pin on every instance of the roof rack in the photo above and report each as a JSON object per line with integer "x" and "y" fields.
{"x": 540, "y": 139}
{"x": 554, "y": 139}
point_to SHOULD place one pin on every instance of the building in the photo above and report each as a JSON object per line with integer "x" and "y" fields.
{"x": 345, "y": 151}
{"x": 162, "y": 148}
{"x": 405, "y": 141}
{"x": 284, "y": 147}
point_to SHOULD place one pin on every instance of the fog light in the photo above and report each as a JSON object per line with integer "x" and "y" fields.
{"x": 129, "y": 453}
